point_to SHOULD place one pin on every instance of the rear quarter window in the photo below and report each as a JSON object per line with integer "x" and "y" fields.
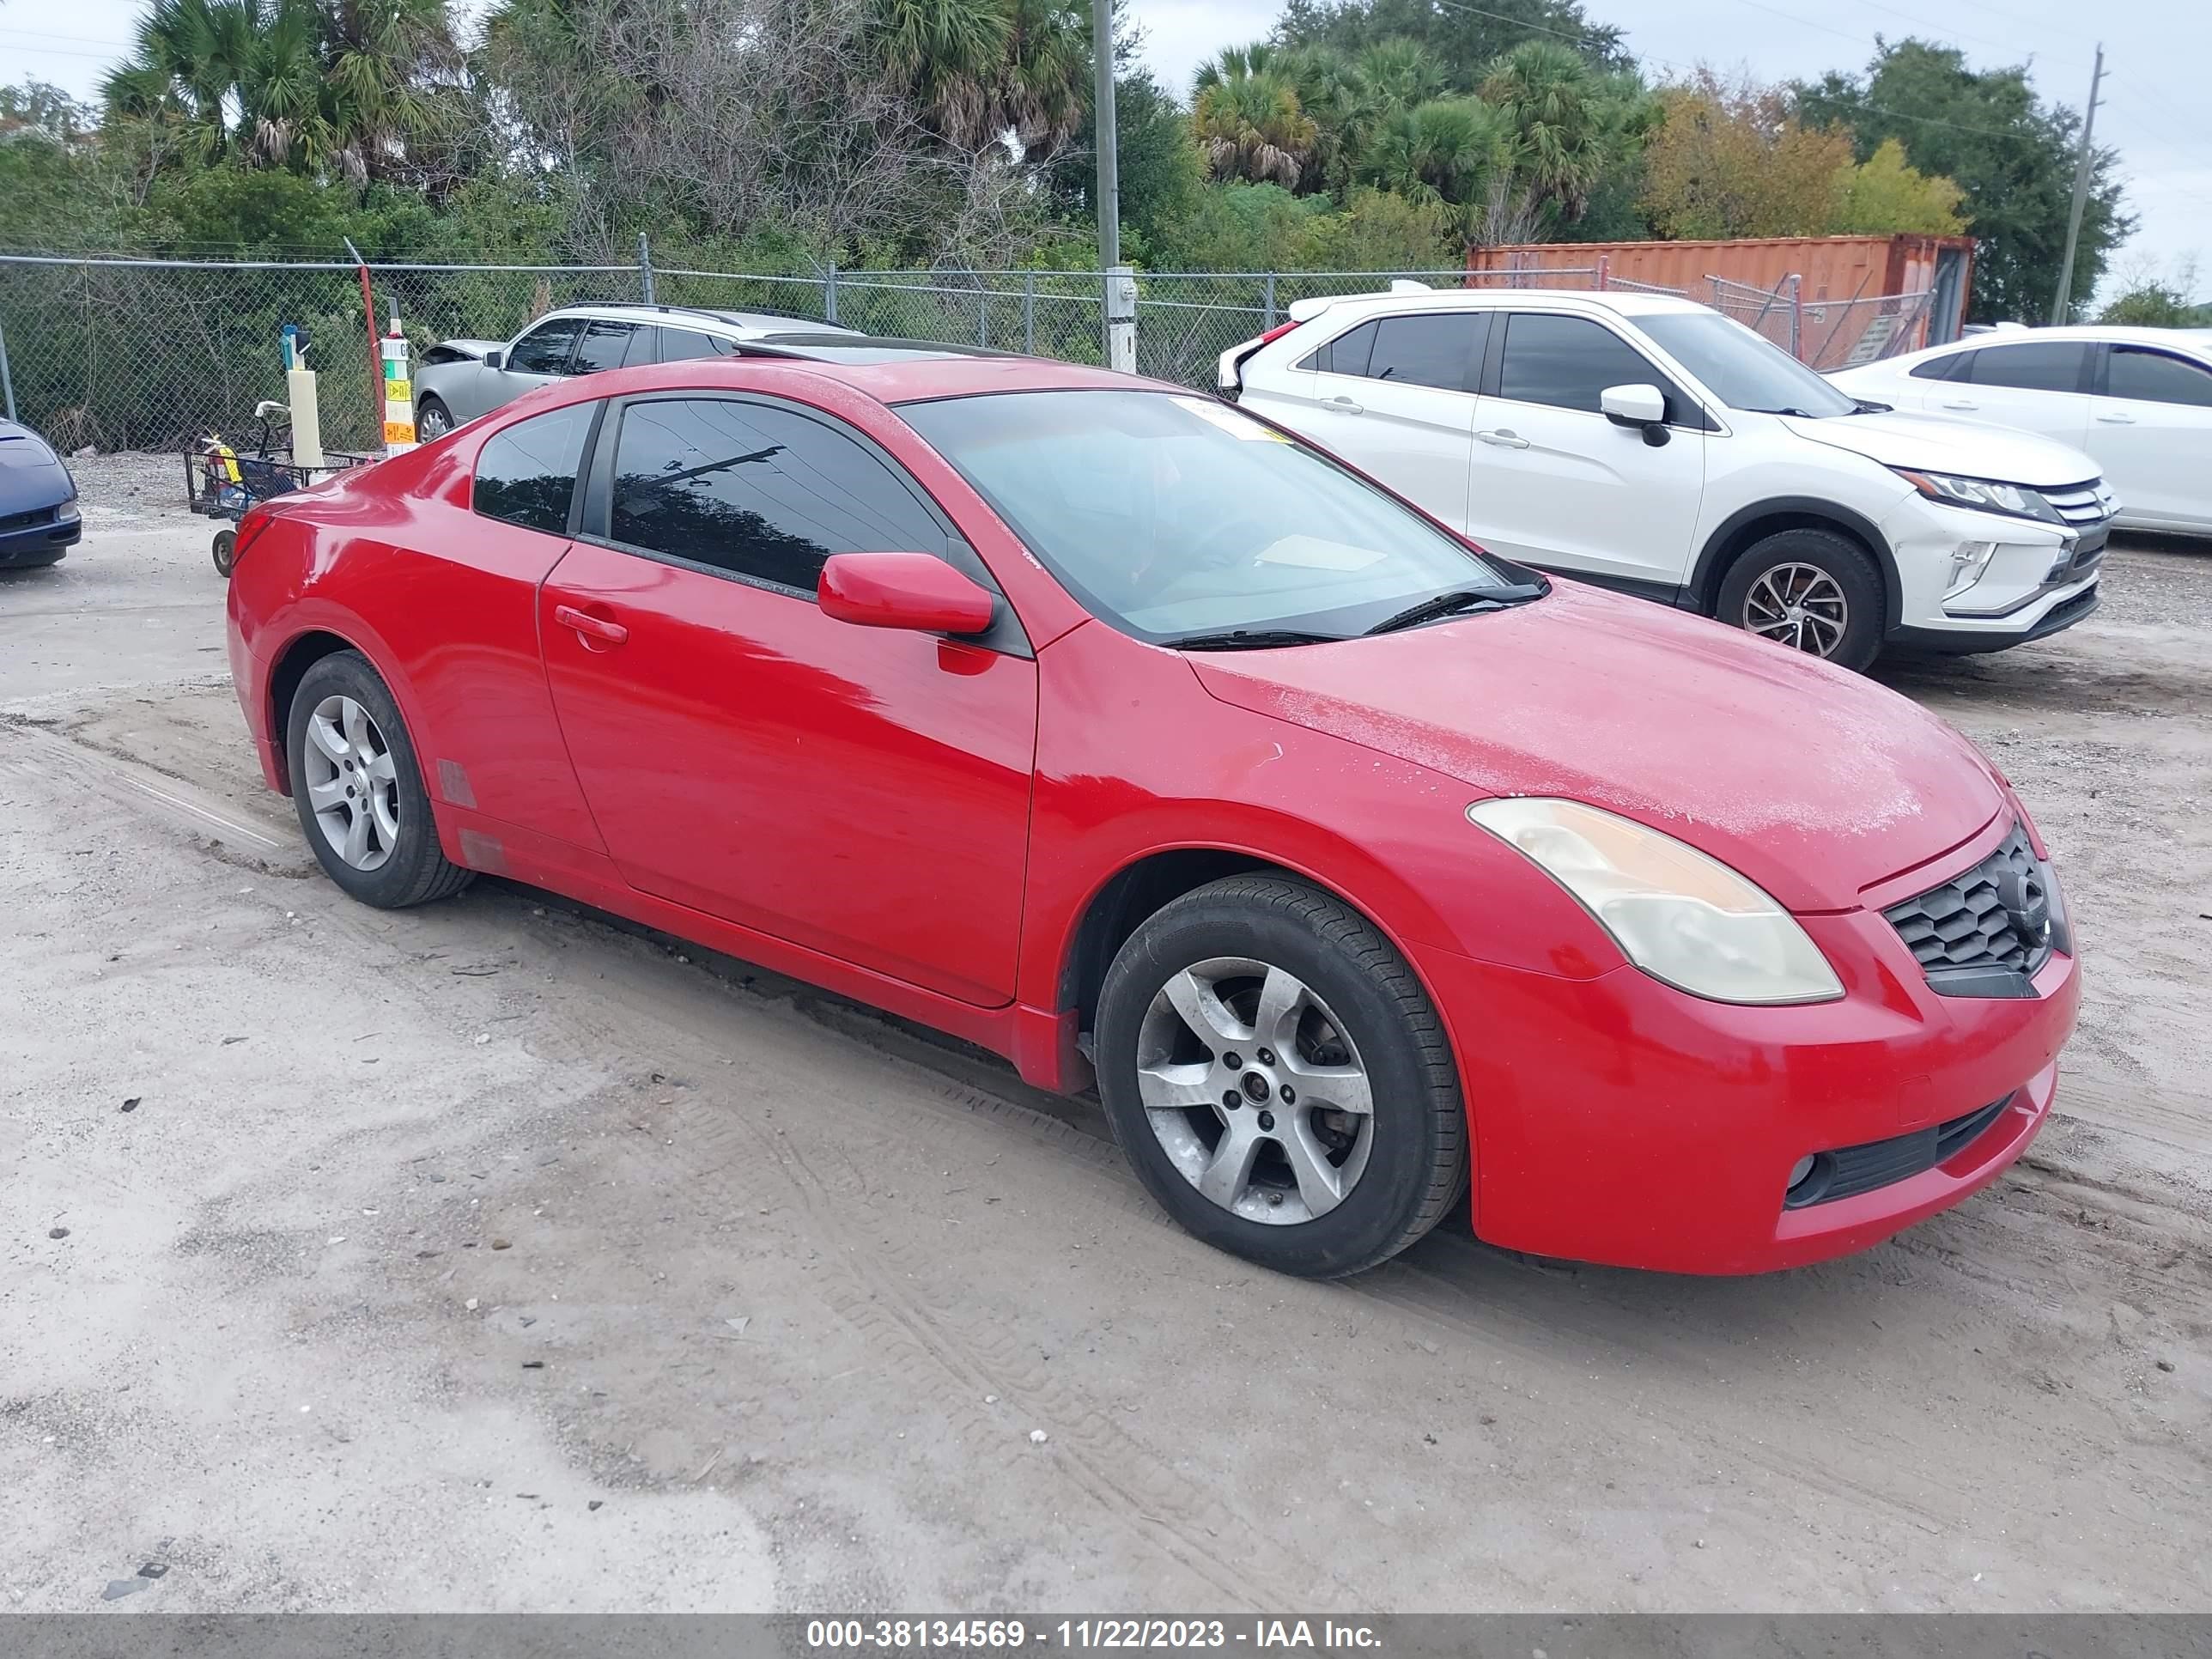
{"x": 527, "y": 473}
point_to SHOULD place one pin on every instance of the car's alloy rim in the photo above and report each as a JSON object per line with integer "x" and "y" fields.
{"x": 1254, "y": 1090}
{"x": 1799, "y": 605}
{"x": 433, "y": 423}
{"x": 353, "y": 784}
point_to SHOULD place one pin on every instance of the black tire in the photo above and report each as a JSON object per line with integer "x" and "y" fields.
{"x": 416, "y": 869}
{"x": 1843, "y": 561}
{"x": 424, "y": 412}
{"x": 224, "y": 551}
{"x": 1416, "y": 1163}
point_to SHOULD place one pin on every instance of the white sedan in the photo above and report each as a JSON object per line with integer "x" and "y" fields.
{"x": 2138, "y": 400}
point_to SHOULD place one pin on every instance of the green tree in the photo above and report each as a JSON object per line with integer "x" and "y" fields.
{"x": 1444, "y": 154}
{"x": 982, "y": 68}
{"x": 2151, "y": 304}
{"x": 1885, "y": 194}
{"x": 1731, "y": 159}
{"x": 1248, "y": 120}
{"x": 336, "y": 87}
{"x": 2011, "y": 154}
{"x": 1464, "y": 40}
{"x": 1563, "y": 131}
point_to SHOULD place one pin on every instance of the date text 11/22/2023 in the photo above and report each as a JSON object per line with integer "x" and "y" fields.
{"x": 899, "y": 1635}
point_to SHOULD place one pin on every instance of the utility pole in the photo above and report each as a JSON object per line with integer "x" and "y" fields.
{"x": 1117, "y": 284}
{"x": 2080, "y": 193}
{"x": 1102, "y": 123}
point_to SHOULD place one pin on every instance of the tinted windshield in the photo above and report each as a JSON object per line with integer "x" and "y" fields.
{"x": 1170, "y": 515}
{"x": 1743, "y": 369}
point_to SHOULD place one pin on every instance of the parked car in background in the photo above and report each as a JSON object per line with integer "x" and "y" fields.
{"x": 38, "y": 519}
{"x": 458, "y": 380}
{"x": 1651, "y": 445}
{"x": 1113, "y": 729}
{"x": 2138, "y": 400}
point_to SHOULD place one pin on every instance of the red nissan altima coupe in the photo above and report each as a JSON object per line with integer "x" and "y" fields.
{"x": 1119, "y": 732}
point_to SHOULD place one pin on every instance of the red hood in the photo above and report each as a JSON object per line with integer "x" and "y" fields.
{"x": 1813, "y": 781}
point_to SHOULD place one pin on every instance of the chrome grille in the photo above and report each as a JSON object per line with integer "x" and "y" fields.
{"x": 2084, "y": 504}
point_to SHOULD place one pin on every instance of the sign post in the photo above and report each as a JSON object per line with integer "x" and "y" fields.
{"x": 398, "y": 393}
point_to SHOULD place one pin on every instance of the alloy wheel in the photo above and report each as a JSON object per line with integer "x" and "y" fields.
{"x": 1799, "y": 605}
{"x": 1254, "y": 1090}
{"x": 352, "y": 783}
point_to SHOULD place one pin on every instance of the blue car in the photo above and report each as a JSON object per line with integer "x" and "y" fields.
{"x": 39, "y": 520}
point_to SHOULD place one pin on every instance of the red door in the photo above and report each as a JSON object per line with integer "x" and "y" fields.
{"x": 861, "y": 792}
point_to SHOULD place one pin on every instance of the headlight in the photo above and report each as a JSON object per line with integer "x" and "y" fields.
{"x": 1678, "y": 915}
{"x": 1982, "y": 494}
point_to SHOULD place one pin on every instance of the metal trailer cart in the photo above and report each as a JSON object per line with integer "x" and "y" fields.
{"x": 222, "y": 483}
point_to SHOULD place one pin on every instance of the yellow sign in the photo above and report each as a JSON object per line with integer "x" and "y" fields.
{"x": 399, "y": 432}
{"x": 399, "y": 390}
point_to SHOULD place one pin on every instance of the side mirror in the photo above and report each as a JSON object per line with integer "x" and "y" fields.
{"x": 495, "y": 359}
{"x": 912, "y": 590}
{"x": 1633, "y": 406}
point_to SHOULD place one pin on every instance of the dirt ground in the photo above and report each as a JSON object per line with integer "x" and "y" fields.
{"x": 493, "y": 1257}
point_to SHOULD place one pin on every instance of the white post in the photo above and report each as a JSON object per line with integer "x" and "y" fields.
{"x": 398, "y": 393}
{"x": 307, "y": 414}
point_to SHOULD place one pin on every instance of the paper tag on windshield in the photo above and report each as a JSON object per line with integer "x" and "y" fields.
{"x": 1236, "y": 425}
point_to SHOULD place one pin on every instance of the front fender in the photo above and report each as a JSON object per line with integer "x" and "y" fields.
{"x": 1155, "y": 764}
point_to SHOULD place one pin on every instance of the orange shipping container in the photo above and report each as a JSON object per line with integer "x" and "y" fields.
{"x": 1830, "y": 269}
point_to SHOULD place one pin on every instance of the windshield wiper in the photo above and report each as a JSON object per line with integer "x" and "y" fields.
{"x": 1250, "y": 639}
{"x": 1786, "y": 409}
{"x": 1461, "y": 599}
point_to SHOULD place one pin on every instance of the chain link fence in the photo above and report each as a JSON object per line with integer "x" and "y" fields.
{"x": 143, "y": 354}
{"x": 1824, "y": 334}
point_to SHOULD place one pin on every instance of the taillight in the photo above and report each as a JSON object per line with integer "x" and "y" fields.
{"x": 1277, "y": 331}
{"x": 257, "y": 519}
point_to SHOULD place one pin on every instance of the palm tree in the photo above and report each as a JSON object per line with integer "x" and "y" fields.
{"x": 338, "y": 88}
{"x": 1562, "y": 123}
{"x": 981, "y": 68}
{"x": 1248, "y": 118}
{"x": 1446, "y": 153}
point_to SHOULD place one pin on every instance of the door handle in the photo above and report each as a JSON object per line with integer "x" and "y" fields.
{"x": 1503, "y": 439}
{"x": 1961, "y": 404}
{"x": 1343, "y": 406}
{"x": 591, "y": 628}
{"x": 2118, "y": 420}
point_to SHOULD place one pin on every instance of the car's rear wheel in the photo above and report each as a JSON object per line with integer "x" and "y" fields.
{"x": 432, "y": 419}
{"x": 224, "y": 551}
{"x": 1812, "y": 590}
{"x": 359, "y": 791}
{"x": 1280, "y": 1080}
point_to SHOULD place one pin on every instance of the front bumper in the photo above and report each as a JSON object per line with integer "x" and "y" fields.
{"x": 2041, "y": 578}
{"x": 1617, "y": 1121}
{"x": 42, "y": 541}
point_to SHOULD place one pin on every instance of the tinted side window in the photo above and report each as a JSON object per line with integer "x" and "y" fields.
{"x": 760, "y": 492}
{"x": 678, "y": 343}
{"x": 1959, "y": 366}
{"x": 2053, "y": 366}
{"x": 603, "y": 346}
{"x": 1347, "y": 354}
{"x": 544, "y": 349}
{"x": 1436, "y": 350}
{"x": 527, "y": 474}
{"x": 1568, "y": 362}
{"x": 2154, "y": 378}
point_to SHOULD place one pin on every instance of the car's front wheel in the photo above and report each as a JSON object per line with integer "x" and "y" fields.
{"x": 432, "y": 419}
{"x": 1812, "y": 590}
{"x": 359, "y": 791}
{"x": 1280, "y": 1080}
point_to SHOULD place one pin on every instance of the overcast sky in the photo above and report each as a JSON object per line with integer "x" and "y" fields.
{"x": 2154, "y": 52}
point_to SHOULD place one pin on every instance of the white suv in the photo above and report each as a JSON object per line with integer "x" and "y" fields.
{"x": 1651, "y": 445}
